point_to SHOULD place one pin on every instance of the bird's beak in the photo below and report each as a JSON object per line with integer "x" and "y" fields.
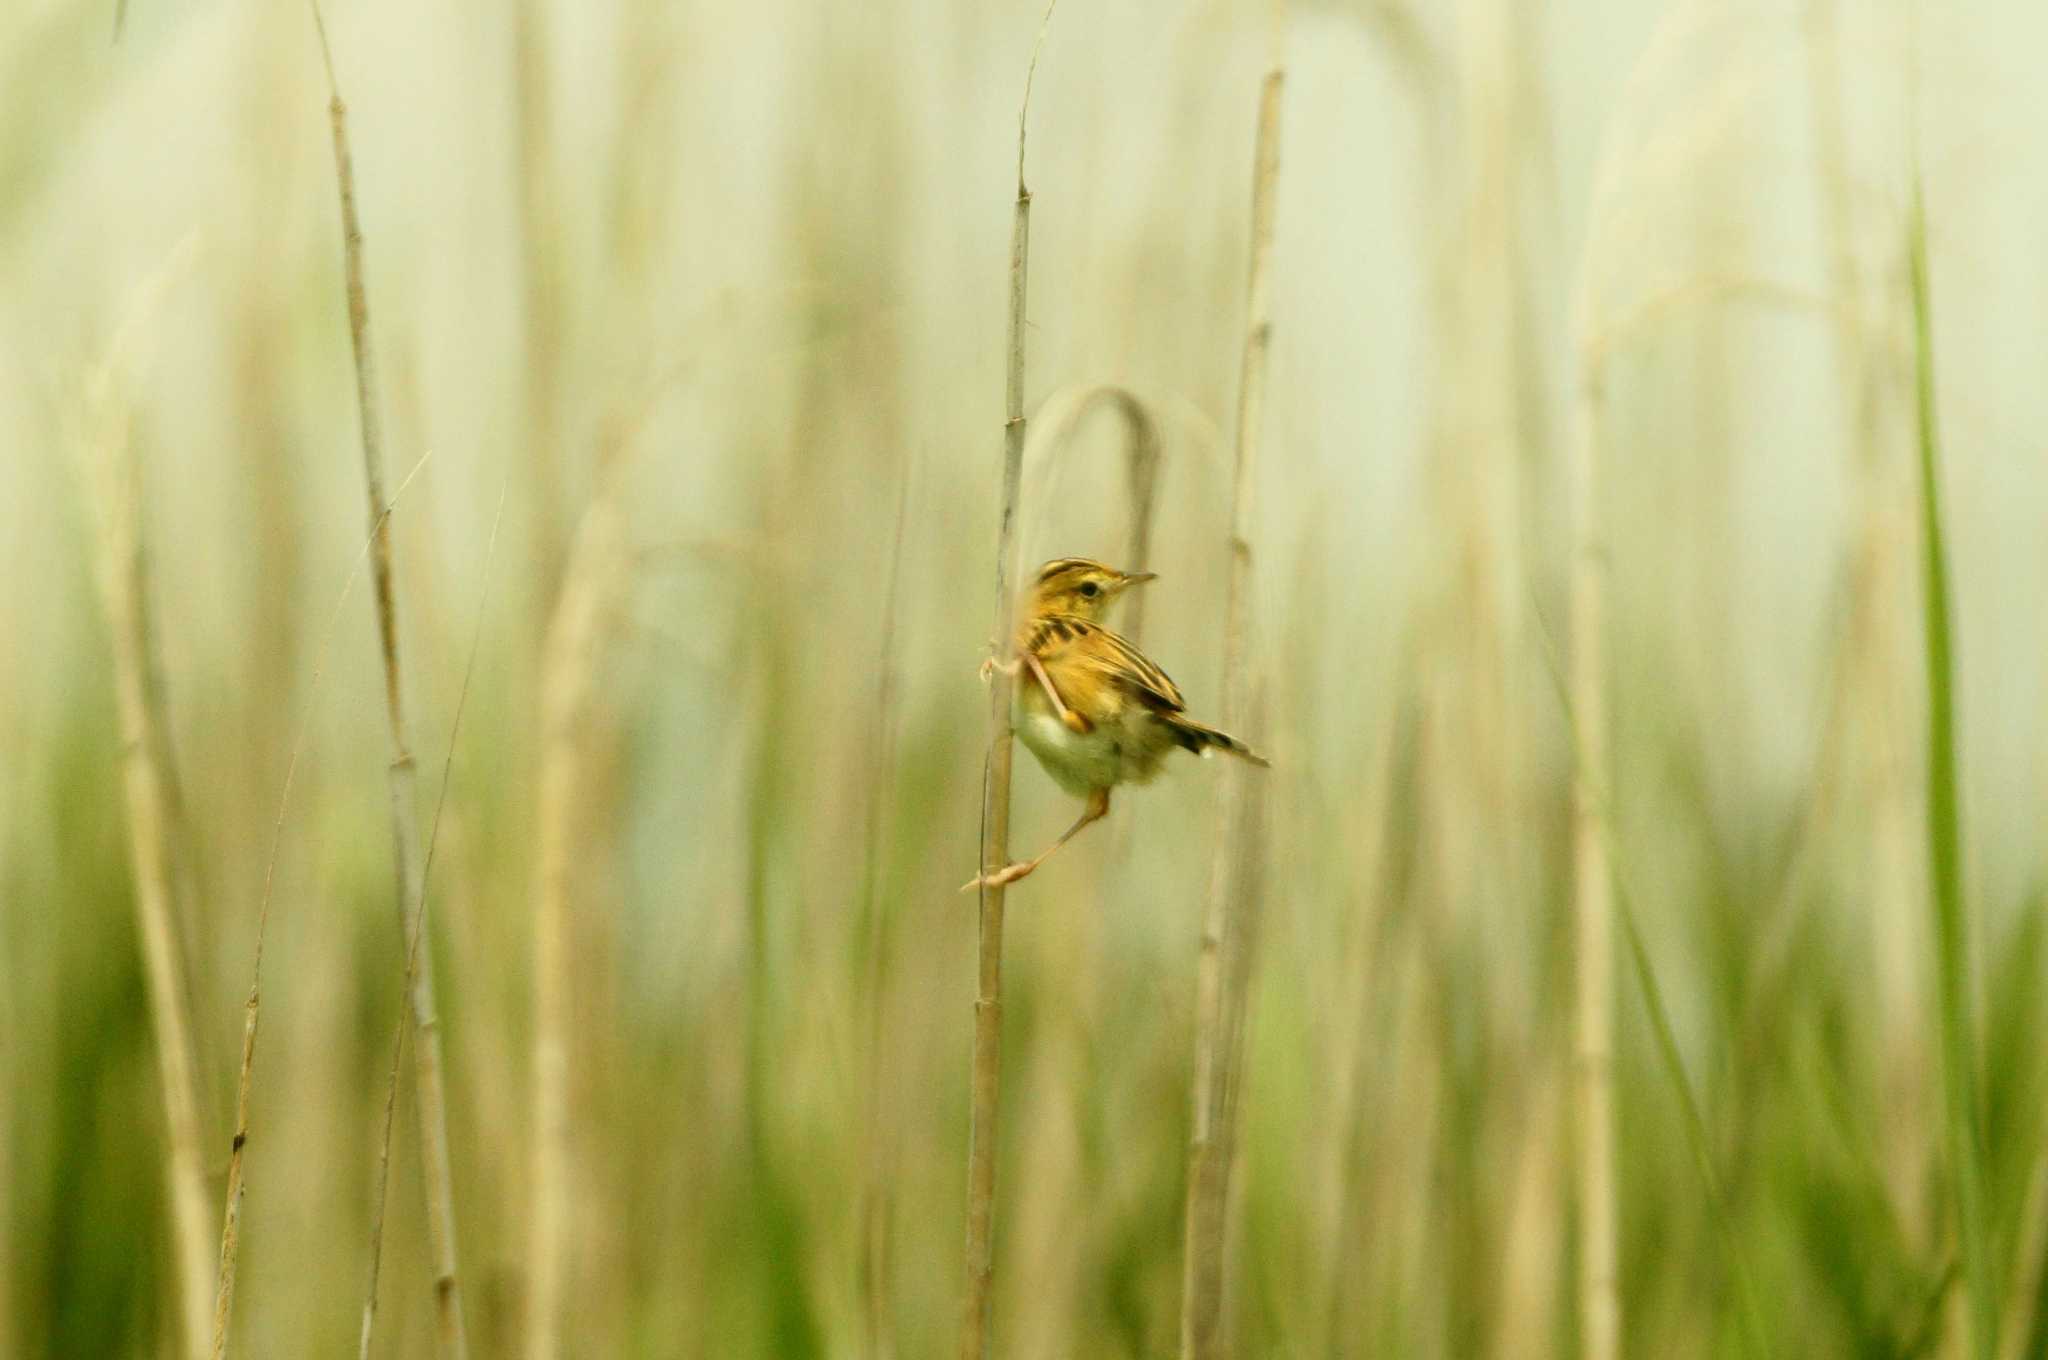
{"x": 1138, "y": 578}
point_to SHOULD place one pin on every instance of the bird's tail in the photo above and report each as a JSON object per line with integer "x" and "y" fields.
{"x": 1201, "y": 740}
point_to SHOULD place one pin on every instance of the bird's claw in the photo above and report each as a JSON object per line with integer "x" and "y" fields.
{"x": 989, "y": 666}
{"x": 1002, "y": 877}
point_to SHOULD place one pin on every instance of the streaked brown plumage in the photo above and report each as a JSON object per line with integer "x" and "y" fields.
{"x": 1093, "y": 709}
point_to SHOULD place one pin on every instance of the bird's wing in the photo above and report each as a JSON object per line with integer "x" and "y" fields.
{"x": 1118, "y": 659}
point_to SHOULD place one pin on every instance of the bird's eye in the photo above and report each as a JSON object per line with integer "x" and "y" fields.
{"x": 1090, "y": 589}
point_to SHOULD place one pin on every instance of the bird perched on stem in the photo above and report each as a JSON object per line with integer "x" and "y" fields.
{"x": 1090, "y": 705}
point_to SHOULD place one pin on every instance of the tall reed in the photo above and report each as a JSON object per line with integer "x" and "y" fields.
{"x": 1592, "y": 892}
{"x": 1595, "y": 338}
{"x": 252, "y": 1005}
{"x": 571, "y": 659}
{"x": 124, "y": 585}
{"x": 1229, "y": 917}
{"x": 1592, "y": 896}
{"x": 1957, "y": 1021}
{"x": 878, "y": 1333}
{"x": 1601, "y": 804}
{"x": 408, "y": 865}
{"x": 985, "y": 1079}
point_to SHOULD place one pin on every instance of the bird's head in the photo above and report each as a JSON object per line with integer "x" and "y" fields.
{"x": 1078, "y": 585}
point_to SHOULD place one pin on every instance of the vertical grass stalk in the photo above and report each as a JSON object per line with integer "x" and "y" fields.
{"x": 252, "y": 1006}
{"x": 1222, "y": 978}
{"x": 231, "y": 1215}
{"x": 125, "y": 586}
{"x": 592, "y": 583}
{"x": 2030, "y": 1257}
{"x": 1958, "y": 1032}
{"x": 1600, "y": 799}
{"x": 881, "y": 780}
{"x": 407, "y": 864}
{"x": 985, "y": 1079}
{"x": 415, "y": 932}
{"x": 1592, "y": 891}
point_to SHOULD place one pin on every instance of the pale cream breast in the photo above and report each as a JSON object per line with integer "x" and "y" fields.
{"x": 1112, "y": 753}
{"x": 1078, "y": 761}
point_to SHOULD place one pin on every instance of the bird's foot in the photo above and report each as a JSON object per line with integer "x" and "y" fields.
{"x": 1001, "y": 878}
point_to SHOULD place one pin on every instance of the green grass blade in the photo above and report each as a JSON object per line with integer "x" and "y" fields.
{"x": 1753, "y": 1332}
{"x": 1944, "y": 827}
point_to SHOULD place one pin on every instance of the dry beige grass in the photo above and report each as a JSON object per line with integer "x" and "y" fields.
{"x": 768, "y": 1086}
{"x": 125, "y": 591}
{"x": 1229, "y": 919}
{"x": 408, "y": 860}
{"x": 594, "y": 585}
{"x": 985, "y": 1081}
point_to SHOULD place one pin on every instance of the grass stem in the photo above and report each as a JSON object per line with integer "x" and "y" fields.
{"x": 1592, "y": 898}
{"x": 1223, "y": 973}
{"x": 985, "y": 1080}
{"x": 252, "y": 1007}
{"x": 1599, "y": 800}
{"x": 125, "y": 587}
{"x": 408, "y": 865}
{"x": 592, "y": 584}
{"x": 1957, "y": 1024}
{"x": 875, "y": 1289}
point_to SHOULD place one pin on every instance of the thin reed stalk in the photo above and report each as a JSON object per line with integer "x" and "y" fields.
{"x": 408, "y": 865}
{"x": 1957, "y": 1021}
{"x": 1695, "y": 1123}
{"x": 1600, "y": 804}
{"x": 1866, "y": 352}
{"x": 252, "y": 1007}
{"x": 124, "y": 585}
{"x": 1223, "y": 972}
{"x": 985, "y": 1079}
{"x": 1593, "y": 836}
{"x": 2030, "y": 1258}
{"x": 1584, "y": 693}
{"x": 1592, "y": 894}
{"x": 544, "y": 297}
{"x": 1585, "y": 700}
{"x": 881, "y": 772}
{"x": 571, "y": 658}
{"x": 10, "y": 1076}
{"x": 416, "y": 930}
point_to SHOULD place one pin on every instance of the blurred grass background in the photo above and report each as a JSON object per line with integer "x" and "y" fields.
{"x": 737, "y": 274}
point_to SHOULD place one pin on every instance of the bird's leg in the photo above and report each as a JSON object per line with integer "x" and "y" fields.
{"x": 1097, "y": 809}
{"x": 989, "y": 665}
{"x": 1015, "y": 667}
{"x": 1074, "y": 721}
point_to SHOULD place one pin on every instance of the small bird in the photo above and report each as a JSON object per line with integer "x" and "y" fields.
{"x": 1089, "y": 704}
